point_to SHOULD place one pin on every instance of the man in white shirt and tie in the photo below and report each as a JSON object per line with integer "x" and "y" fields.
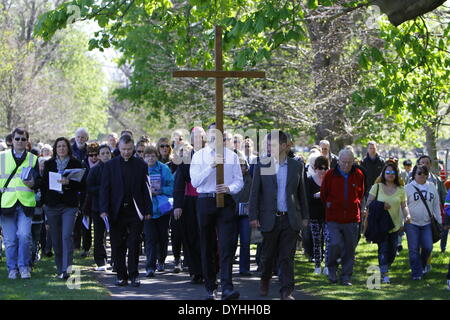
{"x": 211, "y": 218}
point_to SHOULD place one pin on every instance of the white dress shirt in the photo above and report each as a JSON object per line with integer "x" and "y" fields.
{"x": 203, "y": 176}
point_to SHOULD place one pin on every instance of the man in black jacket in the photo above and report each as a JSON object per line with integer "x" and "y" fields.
{"x": 125, "y": 197}
{"x": 373, "y": 165}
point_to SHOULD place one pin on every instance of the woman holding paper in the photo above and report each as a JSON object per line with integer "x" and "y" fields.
{"x": 60, "y": 197}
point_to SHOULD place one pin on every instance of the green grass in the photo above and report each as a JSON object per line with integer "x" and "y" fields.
{"x": 44, "y": 286}
{"x": 432, "y": 287}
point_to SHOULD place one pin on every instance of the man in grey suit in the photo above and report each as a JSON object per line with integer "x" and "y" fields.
{"x": 278, "y": 205}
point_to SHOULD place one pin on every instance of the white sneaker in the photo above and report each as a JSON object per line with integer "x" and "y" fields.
{"x": 325, "y": 271}
{"x": 12, "y": 274}
{"x": 102, "y": 268}
{"x": 339, "y": 260}
{"x": 25, "y": 274}
{"x": 386, "y": 279}
{"x": 427, "y": 269}
{"x": 318, "y": 270}
{"x": 177, "y": 268}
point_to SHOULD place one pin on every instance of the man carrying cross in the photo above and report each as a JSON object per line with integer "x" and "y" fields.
{"x": 212, "y": 218}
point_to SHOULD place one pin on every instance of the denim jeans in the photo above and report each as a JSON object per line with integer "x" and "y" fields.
{"x": 387, "y": 251}
{"x": 17, "y": 238}
{"x": 420, "y": 245}
{"x": 244, "y": 237}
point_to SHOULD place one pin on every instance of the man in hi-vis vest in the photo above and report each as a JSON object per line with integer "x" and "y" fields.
{"x": 18, "y": 202}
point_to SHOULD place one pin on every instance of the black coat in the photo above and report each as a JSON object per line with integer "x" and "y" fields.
{"x": 93, "y": 184}
{"x": 182, "y": 177}
{"x": 69, "y": 197}
{"x": 112, "y": 188}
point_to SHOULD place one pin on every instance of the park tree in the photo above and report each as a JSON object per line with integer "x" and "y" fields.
{"x": 317, "y": 41}
{"x": 50, "y": 87}
{"x": 407, "y": 77}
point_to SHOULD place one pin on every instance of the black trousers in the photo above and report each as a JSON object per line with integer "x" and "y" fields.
{"x": 281, "y": 241}
{"x": 125, "y": 235}
{"x": 190, "y": 233}
{"x": 176, "y": 237}
{"x": 217, "y": 223}
{"x": 100, "y": 255}
{"x": 77, "y": 232}
{"x": 87, "y": 236}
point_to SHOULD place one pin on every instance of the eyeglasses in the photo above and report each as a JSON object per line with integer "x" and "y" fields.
{"x": 390, "y": 172}
{"x": 93, "y": 155}
{"x": 322, "y": 168}
{"x": 422, "y": 173}
{"x": 20, "y": 139}
{"x": 164, "y": 146}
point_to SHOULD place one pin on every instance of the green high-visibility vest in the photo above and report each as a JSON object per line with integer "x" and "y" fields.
{"x": 16, "y": 190}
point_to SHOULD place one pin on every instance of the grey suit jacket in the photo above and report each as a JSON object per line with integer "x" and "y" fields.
{"x": 263, "y": 196}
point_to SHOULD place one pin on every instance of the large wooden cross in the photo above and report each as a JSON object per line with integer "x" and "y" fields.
{"x": 219, "y": 75}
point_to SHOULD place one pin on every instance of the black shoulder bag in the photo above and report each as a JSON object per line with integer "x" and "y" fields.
{"x": 435, "y": 228}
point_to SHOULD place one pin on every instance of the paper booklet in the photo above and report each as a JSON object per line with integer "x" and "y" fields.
{"x": 53, "y": 183}
{"x": 26, "y": 173}
{"x": 155, "y": 180}
{"x": 243, "y": 208}
{"x": 74, "y": 174}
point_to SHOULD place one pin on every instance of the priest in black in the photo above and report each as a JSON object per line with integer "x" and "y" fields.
{"x": 125, "y": 197}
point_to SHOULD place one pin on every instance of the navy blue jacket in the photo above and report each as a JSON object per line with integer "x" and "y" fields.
{"x": 379, "y": 222}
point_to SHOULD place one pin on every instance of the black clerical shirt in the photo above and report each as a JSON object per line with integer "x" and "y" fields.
{"x": 127, "y": 176}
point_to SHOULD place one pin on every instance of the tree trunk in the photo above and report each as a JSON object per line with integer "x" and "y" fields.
{"x": 400, "y": 11}
{"x": 430, "y": 145}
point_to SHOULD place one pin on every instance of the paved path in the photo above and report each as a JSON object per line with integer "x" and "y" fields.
{"x": 171, "y": 286}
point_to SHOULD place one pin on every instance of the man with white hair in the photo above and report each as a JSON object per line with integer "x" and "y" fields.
{"x": 79, "y": 147}
{"x": 79, "y": 151}
{"x": 342, "y": 191}
{"x": 326, "y": 152}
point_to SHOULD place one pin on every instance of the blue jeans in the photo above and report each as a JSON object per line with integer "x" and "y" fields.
{"x": 17, "y": 237}
{"x": 387, "y": 251}
{"x": 420, "y": 245}
{"x": 244, "y": 249}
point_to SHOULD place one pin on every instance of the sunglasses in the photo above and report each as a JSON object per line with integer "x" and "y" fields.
{"x": 93, "y": 155}
{"x": 164, "y": 146}
{"x": 421, "y": 173}
{"x": 322, "y": 168}
{"x": 140, "y": 151}
{"x": 20, "y": 139}
{"x": 390, "y": 172}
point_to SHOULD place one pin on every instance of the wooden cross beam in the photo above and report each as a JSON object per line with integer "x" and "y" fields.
{"x": 219, "y": 75}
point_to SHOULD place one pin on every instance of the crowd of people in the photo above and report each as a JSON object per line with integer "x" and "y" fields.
{"x": 53, "y": 198}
